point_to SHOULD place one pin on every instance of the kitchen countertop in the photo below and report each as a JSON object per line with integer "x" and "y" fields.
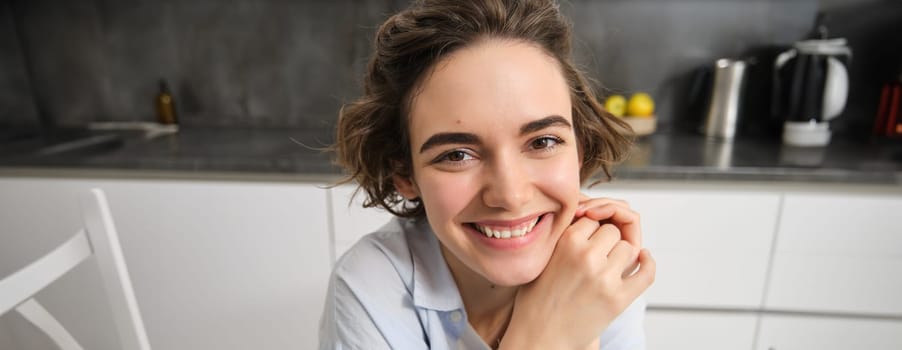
{"x": 655, "y": 157}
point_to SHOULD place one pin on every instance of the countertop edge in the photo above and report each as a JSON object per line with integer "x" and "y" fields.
{"x": 326, "y": 180}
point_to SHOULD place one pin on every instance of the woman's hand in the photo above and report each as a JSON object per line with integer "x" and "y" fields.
{"x": 604, "y": 211}
{"x": 584, "y": 287}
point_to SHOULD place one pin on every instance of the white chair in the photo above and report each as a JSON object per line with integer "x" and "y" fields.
{"x": 98, "y": 238}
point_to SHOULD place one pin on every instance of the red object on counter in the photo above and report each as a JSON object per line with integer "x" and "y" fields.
{"x": 893, "y": 120}
{"x": 888, "y": 122}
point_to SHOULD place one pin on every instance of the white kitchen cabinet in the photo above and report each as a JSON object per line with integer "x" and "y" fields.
{"x": 351, "y": 220}
{"x": 838, "y": 253}
{"x": 712, "y": 246}
{"x": 796, "y": 332}
{"x": 235, "y": 265}
{"x": 699, "y": 330}
{"x": 215, "y": 265}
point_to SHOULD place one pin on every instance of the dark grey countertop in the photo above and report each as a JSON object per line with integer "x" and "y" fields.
{"x": 655, "y": 157}
{"x": 200, "y": 150}
{"x": 693, "y": 157}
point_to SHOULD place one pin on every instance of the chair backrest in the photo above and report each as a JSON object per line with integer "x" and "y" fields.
{"x": 97, "y": 238}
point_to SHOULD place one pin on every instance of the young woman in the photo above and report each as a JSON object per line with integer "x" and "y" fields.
{"x": 477, "y": 132}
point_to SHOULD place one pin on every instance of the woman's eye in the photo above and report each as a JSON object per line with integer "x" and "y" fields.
{"x": 544, "y": 142}
{"x": 455, "y": 156}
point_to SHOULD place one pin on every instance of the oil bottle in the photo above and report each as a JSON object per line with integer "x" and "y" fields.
{"x": 165, "y": 105}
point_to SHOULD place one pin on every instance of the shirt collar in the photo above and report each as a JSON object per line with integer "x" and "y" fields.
{"x": 433, "y": 285}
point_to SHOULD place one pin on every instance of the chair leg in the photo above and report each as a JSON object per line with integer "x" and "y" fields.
{"x": 111, "y": 263}
{"x": 38, "y": 316}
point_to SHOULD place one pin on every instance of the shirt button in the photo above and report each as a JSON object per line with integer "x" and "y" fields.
{"x": 456, "y": 316}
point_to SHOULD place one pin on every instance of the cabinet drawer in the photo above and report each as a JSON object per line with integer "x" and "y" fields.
{"x": 689, "y": 330}
{"x": 786, "y": 332}
{"x": 838, "y": 253}
{"x": 712, "y": 246}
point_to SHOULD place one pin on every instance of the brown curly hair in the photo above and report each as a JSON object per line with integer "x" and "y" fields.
{"x": 372, "y": 137}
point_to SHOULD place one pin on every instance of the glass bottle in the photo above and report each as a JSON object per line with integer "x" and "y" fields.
{"x": 165, "y": 105}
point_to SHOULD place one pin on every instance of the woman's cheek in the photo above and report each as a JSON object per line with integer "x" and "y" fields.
{"x": 559, "y": 179}
{"x": 447, "y": 194}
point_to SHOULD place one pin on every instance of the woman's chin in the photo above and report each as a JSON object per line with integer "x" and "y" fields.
{"x": 515, "y": 277}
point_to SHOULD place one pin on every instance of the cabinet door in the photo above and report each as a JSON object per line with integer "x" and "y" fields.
{"x": 838, "y": 253}
{"x": 712, "y": 246}
{"x": 696, "y": 330}
{"x": 215, "y": 265}
{"x": 230, "y": 265}
{"x": 787, "y": 332}
{"x": 350, "y": 219}
{"x": 37, "y": 215}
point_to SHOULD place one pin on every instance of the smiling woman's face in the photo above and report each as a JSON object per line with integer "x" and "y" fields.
{"x": 494, "y": 153}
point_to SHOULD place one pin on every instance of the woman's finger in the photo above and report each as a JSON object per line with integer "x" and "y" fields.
{"x": 626, "y": 220}
{"x": 597, "y": 202}
{"x": 629, "y": 270}
{"x": 644, "y": 277}
{"x": 582, "y": 229}
{"x": 604, "y": 239}
{"x": 588, "y": 201}
{"x": 622, "y": 255}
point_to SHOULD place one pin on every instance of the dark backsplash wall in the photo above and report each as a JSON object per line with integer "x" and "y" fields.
{"x": 16, "y": 104}
{"x": 282, "y": 63}
{"x": 230, "y": 63}
{"x": 655, "y": 46}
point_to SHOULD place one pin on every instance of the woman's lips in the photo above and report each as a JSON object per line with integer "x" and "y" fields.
{"x": 507, "y": 223}
{"x": 543, "y": 225}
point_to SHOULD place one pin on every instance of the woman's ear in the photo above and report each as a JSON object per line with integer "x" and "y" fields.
{"x": 406, "y": 187}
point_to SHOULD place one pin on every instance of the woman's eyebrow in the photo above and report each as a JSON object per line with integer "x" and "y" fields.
{"x": 471, "y": 139}
{"x": 449, "y": 138}
{"x": 540, "y": 124}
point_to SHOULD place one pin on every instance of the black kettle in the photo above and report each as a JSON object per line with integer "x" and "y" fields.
{"x": 810, "y": 87}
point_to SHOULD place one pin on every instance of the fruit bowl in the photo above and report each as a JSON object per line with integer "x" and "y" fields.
{"x": 642, "y": 125}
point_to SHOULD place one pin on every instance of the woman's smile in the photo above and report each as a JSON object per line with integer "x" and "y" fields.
{"x": 507, "y": 229}
{"x": 514, "y": 234}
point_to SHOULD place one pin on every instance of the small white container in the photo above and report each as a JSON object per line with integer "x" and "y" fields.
{"x": 806, "y": 134}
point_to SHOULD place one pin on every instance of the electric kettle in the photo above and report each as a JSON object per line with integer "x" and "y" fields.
{"x": 811, "y": 85}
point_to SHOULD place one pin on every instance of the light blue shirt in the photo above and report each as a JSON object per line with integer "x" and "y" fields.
{"x": 393, "y": 290}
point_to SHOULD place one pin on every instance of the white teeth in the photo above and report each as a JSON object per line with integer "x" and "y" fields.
{"x": 519, "y": 232}
{"x": 508, "y": 232}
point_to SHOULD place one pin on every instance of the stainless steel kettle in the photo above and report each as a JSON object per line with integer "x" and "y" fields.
{"x": 722, "y": 116}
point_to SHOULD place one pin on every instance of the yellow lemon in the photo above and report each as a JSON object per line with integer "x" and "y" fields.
{"x": 616, "y": 105}
{"x": 640, "y": 105}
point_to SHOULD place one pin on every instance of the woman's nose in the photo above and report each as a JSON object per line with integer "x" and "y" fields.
{"x": 507, "y": 184}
